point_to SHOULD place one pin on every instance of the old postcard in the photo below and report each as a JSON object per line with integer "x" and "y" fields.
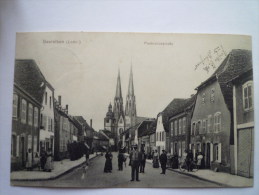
{"x": 112, "y": 110}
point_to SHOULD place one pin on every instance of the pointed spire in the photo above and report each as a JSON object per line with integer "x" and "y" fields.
{"x": 118, "y": 88}
{"x": 131, "y": 86}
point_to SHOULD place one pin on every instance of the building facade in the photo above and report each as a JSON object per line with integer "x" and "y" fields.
{"x": 66, "y": 131}
{"x": 27, "y": 97}
{"x": 180, "y": 126}
{"x": 47, "y": 119}
{"x": 212, "y": 122}
{"x": 243, "y": 104}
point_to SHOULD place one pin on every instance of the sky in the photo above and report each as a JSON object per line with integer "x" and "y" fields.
{"x": 83, "y": 67}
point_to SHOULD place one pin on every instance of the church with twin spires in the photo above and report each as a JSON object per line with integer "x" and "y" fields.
{"x": 117, "y": 119}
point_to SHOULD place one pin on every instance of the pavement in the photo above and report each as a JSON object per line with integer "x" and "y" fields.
{"x": 59, "y": 168}
{"x": 220, "y": 178}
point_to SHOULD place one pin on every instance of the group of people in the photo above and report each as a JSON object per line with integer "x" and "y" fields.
{"x": 43, "y": 162}
{"x": 137, "y": 161}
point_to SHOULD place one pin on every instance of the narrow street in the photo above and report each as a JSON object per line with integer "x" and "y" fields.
{"x": 96, "y": 178}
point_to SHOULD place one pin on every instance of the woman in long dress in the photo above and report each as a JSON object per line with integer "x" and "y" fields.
{"x": 49, "y": 166}
{"x": 108, "y": 162}
{"x": 155, "y": 160}
{"x": 29, "y": 160}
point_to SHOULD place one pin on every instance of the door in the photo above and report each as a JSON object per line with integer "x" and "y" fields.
{"x": 23, "y": 151}
{"x": 245, "y": 152}
{"x": 207, "y": 156}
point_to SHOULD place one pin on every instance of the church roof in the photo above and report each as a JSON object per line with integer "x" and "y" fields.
{"x": 131, "y": 85}
{"x": 118, "y": 93}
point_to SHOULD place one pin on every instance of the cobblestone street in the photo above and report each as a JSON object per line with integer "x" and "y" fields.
{"x": 95, "y": 178}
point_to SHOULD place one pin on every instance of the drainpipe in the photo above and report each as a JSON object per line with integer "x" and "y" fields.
{"x": 235, "y": 129}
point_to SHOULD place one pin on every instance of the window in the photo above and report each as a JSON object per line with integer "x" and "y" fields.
{"x": 160, "y": 136}
{"x": 49, "y": 124}
{"x": 193, "y": 128}
{"x": 180, "y": 126}
{"x": 44, "y": 122}
{"x": 183, "y": 146}
{"x": 175, "y": 127}
{"x": 198, "y": 126}
{"x": 204, "y": 126}
{"x": 13, "y": 146}
{"x": 203, "y": 98}
{"x": 24, "y": 111}
{"x": 180, "y": 149}
{"x": 36, "y": 117}
{"x": 209, "y": 123}
{"x": 50, "y": 102}
{"x": 175, "y": 147}
{"x": 217, "y": 122}
{"x": 15, "y": 105}
{"x": 172, "y": 128}
{"x": 184, "y": 125}
{"x": 46, "y": 98}
{"x": 198, "y": 147}
{"x": 30, "y": 113}
{"x": 212, "y": 95}
{"x": 248, "y": 95}
{"x": 217, "y": 152}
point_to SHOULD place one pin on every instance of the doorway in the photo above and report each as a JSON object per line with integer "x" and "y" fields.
{"x": 207, "y": 156}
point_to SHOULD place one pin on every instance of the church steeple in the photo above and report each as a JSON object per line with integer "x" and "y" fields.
{"x": 118, "y": 100}
{"x": 118, "y": 87}
{"x": 130, "y": 110}
{"x": 131, "y": 86}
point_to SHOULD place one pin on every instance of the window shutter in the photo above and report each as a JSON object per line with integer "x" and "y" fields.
{"x": 17, "y": 145}
{"x": 211, "y": 152}
{"x": 219, "y": 152}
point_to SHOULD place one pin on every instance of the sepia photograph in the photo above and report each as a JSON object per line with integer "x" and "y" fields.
{"x": 132, "y": 110}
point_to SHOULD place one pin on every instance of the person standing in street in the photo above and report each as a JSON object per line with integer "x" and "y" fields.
{"x": 163, "y": 161}
{"x": 43, "y": 158}
{"x": 87, "y": 154}
{"x": 29, "y": 160}
{"x": 49, "y": 164}
{"x": 143, "y": 161}
{"x": 155, "y": 160}
{"x": 135, "y": 161}
{"x": 120, "y": 160}
{"x": 108, "y": 162}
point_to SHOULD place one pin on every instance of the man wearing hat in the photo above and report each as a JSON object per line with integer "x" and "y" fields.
{"x": 135, "y": 158}
{"x": 163, "y": 160}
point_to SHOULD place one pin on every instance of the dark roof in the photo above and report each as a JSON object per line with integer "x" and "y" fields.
{"x": 102, "y": 137}
{"x": 108, "y": 133}
{"x": 237, "y": 62}
{"x": 146, "y": 128}
{"x": 168, "y": 111}
{"x": 81, "y": 120}
{"x": 28, "y": 77}
{"x": 188, "y": 103}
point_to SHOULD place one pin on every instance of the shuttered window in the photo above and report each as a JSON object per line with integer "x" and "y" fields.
{"x": 248, "y": 95}
{"x": 15, "y": 105}
{"x": 23, "y": 111}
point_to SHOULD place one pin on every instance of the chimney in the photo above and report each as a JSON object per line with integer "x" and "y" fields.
{"x": 91, "y": 122}
{"x": 67, "y": 109}
{"x": 59, "y": 100}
